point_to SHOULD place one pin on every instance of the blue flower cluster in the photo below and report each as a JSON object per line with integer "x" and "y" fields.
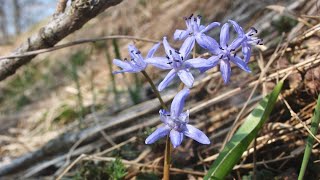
{"x": 179, "y": 63}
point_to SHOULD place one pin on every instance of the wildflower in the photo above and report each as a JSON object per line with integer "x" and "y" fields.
{"x": 137, "y": 63}
{"x": 224, "y": 54}
{"x": 176, "y": 123}
{"x": 179, "y": 63}
{"x": 195, "y": 31}
{"x": 249, "y": 39}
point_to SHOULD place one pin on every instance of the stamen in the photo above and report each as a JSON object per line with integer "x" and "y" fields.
{"x": 176, "y": 60}
{"x": 221, "y": 48}
{"x": 169, "y": 62}
{"x": 185, "y": 18}
{"x": 232, "y": 50}
{"x": 190, "y": 16}
{"x": 138, "y": 52}
{"x": 221, "y": 56}
{"x": 167, "y": 57}
{"x": 132, "y": 59}
{"x": 199, "y": 16}
{"x": 195, "y": 19}
{"x": 182, "y": 58}
{"x": 177, "y": 51}
{"x": 234, "y": 55}
{"x": 132, "y": 51}
{"x": 125, "y": 59}
{"x": 170, "y": 52}
{"x": 254, "y": 29}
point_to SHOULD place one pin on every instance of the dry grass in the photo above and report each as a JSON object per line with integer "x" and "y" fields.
{"x": 214, "y": 106}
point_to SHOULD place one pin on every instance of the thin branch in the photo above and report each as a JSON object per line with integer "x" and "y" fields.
{"x": 79, "y": 13}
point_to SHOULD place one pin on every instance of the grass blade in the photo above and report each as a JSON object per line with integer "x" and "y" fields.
{"x": 310, "y": 140}
{"x": 240, "y": 141}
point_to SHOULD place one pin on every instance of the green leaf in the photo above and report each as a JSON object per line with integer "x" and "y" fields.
{"x": 314, "y": 129}
{"x": 240, "y": 141}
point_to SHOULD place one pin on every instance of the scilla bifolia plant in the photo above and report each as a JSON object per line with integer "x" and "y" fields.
{"x": 179, "y": 65}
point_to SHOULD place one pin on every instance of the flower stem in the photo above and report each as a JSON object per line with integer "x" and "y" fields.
{"x": 167, "y": 159}
{"x": 155, "y": 90}
{"x": 167, "y": 152}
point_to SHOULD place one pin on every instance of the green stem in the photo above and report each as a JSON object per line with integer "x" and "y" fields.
{"x": 155, "y": 90}
{"x": 314, "y": 128}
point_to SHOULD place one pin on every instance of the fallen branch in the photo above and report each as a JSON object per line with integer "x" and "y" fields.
{"x": 58, "y": 28}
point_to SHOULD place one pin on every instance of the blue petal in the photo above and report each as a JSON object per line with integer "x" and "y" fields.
{"x": 176, "y": 138}
{"x": 180, "y": 34}
{"x": 210, "y": 26}
{"x": 196, "y": 134}
{"x": 186, "y": 77}
{"x": 214, "y": 60}
{"x": 178, "y": 102}
{"x": 153, "y": 50}
{"x": 199, "y": 63}
{"x": 122, "y": 64}
{"x": 240, "y": 63}
{"x": 167, "y": 80}
{"x": 167, "y": 47}
{"x": 224, "y": 36}
{"x": 246, "y": 51}
{"x": 184, "y": 116}
{"x": 208, "y": 42}
{"x": 159, "y": 62}
{"x": 237, "y": 28}
{"x": 187, "y": 47}
{"x": 164, "y": 116}
{"x": 157, "y": 134}
{"x": 225, "y": 70}
{"x": 236, "y": 43}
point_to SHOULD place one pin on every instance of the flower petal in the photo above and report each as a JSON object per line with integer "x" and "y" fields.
{"x": 176, "y": 138}
{"x": 164, "y": 116}
{"x": 153, "y": 50}
{"x": 187, "y": 46}
{"x": 196, "y": 134}
{"x": 199, "y": 63}
{"x": 169, "y": 50}
{"x": 224, "y": 36}
{"x": 208, "y": 42}
{"x": 180, "y": 34}
{"x": 236, "y": 43}
{"x": 246, "y": 51}
{"x": 214, "y": 60}
{"x": 159, "y": 62}
{"x": 167, "y": 80}
{"x": 178, "y": 102}
{"x": 225, "y": 70}
{"x": 122, "y": 64}
{"x": 240, "y": 63}
{"x": 186, "y": 77}
{"x": 237, "y": 28}
{"x": 157, "y": 134}
{"x": 210, "y": 26}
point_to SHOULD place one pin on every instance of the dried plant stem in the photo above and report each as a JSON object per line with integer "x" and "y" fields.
{"x": 167, "y": 159}
{"x": 155, "y": 90}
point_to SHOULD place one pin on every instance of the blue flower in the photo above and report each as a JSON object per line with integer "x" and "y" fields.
{"x": 179, "y": 63}
{"x": 176, "y": 123}
{"x": 224, "y": 54}
{"x": 249, "y": 39}
{"x": 137, "y": 63}
{"x": 195, "y": 31}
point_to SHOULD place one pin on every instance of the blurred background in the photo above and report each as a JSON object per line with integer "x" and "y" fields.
{"x": 66, "y": 95}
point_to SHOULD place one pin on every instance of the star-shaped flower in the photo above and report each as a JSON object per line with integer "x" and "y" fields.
{"x": 195, "y": 31}
{"x": 176, "y": 123}
{"x": 249, "y": 39}
{"x": 137, "y": 62}
{"x": 224, "y": 54}
{"x": 179, "y": 63}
